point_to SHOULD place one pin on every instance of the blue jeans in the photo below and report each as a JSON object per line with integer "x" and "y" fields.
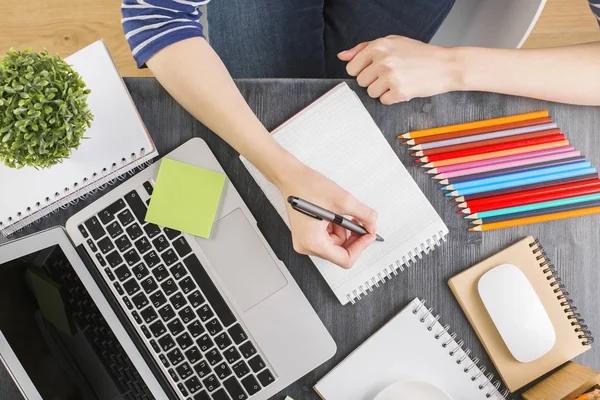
{"x": 301, "y": 38}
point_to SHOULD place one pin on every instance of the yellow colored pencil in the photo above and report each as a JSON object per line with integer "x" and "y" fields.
{"x": 473, "y": 125}
{"x": 534, "y": 220}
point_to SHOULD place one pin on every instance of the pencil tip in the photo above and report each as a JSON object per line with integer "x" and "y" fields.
{"x": 475, "y": 228}
{"x": 461, "y": 198}
{"x": 477, "y": 222}
{"x": 405, "y": 135}
{"x": 431, "y": 172}
{"x": 472, "y": 216}
{"x": 419, "y": 153}
{"x": 423, "y": 159}
{"x": 410, "y": 142}
{"x": 444, "y": 182}
{"x": 454, "y": 194}
{"x": 429, "y": 166}
{"x": 418, "y": 160}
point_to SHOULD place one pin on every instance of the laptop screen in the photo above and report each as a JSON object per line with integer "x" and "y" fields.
{"x": 57, "y": 333}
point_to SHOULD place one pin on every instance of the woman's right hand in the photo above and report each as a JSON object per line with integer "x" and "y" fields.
{"x": 322, "y": 238}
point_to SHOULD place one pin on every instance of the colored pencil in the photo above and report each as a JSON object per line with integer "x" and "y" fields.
{"x": 505, "y": 171}
{"x": 519, "y": 175}
{"x": 492, "y": 148}
{"x": 495, "y": 193}
{"x": 497, "y": 154}
{"x": 509, "y": 164}
{"x": 521, "y": 182}
{"x": 533, "y": 213}
{"x": 498, "y": 135}
{"x": 534, "y": 220}
{"x": 531, "y": 196}
{"x": 535, "y": 206}
{"x": 473, "y": 125}
{"x": 499, "y": 160}
{"x": 478, "y": 131}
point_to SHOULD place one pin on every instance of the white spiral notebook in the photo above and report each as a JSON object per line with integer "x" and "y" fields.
{"x": 116, "y": 143}
{"x": 412, "y": 346}
{"x": 336, "y": 136}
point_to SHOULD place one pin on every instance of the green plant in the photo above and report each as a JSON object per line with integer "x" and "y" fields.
{"x": 43, "y": 109}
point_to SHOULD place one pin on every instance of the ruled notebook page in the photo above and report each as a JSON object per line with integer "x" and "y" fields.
{"x": 337, "y": 137}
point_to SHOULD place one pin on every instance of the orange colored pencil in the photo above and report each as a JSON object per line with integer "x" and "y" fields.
{"x": 473, "y": 125}
{"x": 481, "y": 143}
{"x": 496, "y": 154}
{"x": 534, "y": 220}
{"x": 479, "y": 131}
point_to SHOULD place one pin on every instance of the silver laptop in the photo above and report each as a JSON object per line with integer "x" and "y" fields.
{"x": 116, "y": 308}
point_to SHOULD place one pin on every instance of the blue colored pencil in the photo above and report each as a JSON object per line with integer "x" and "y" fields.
{"x": 533, "y": 213}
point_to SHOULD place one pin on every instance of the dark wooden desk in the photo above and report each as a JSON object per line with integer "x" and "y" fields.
{"x": 574, "y": 244}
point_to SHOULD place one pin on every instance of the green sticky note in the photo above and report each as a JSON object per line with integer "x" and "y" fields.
{"x": 288, "y": 398}
{"x": 185, "y": 198}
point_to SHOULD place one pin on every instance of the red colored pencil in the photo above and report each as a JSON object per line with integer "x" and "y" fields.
{"x": 532, "y": 196}
{"x": 482, "y": 143}
{"x": 477, "y": 131}
{"x": 492, "y": 148}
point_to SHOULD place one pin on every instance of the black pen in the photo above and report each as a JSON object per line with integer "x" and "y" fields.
{"x": 313, "y": 210}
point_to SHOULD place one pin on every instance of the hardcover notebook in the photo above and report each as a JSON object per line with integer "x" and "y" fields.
{"x": 412, "y": 346}
{"x": 572, "y": 337}
{"x": 336, "y": 136}
{"x": 116, "y": 143}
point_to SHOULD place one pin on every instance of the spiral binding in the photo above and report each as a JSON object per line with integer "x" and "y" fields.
{"x": 484, "y": 382}
{"x": 392, "y": 270}
{"x": 562, "y": 295}
{"x": 68, "y": 196}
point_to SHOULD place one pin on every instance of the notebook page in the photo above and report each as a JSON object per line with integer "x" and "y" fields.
{"x": 337, "y": 137}
{"x": 405, "y": 350}
{"x": 116, "y": 133}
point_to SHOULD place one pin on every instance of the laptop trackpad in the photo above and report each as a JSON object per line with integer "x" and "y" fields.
{"x": 240, "y": 258}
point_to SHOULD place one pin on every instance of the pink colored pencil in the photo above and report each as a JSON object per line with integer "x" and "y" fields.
{"x": 508, "y": 164}
{"x": 499, "y": 160}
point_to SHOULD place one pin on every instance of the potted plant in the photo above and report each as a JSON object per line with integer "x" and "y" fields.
{"x": 43, "y": 109}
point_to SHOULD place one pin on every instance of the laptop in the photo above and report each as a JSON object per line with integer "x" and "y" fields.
{"x": 115, "y": 308}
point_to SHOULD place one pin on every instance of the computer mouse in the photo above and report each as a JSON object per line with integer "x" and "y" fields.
{"x": 412, "y": 390}
{"x": 517, "y": 312}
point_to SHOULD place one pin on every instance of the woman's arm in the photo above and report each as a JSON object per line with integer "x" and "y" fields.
{"x": 396, "y": 69}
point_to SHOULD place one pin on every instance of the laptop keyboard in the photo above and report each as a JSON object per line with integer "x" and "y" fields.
{"x": 171, "y": 299}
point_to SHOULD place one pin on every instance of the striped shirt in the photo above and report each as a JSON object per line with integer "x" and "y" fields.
{"x": 152, "y": 25}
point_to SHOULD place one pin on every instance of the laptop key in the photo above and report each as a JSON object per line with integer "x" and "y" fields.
{"x": 204, "y": 313}
{"x": 234, "y": 389}
{"x": 134, "y": 232}
{"x": 187, "y": 285}
{"x": 184, "y": 341}
{"x": 241, "y": 369}
{"x": 166, "y": 313}
{"x": 123, "y": 273}
{"x": 171, "y": 233}
{"x": 169, "y": 287}
{"x": 149, "y": 188}
{"x": 237, "y": 334}
{"x": 213, "y": 327}
{"x": 211, "y": 383}
{"x": 251, "y": 385}
{"x": 173, "y": 375}
{"x": 202, "y": 396}
{"x": 140, "y": 271}
{"x": 166, "y": 343}
{"x": 266, "y": 377}
{"x": 137, "y": 205}
{"x": 131, "y": 257}
{"x": 195, "y": 299}
{"x": 123, "y": 243}
{"x": 196, "y": 329}
{"x": 151, "y": 259}
{"x": 149, "y": 285}
{"x": 232, "y": 355}
{"x": 136, "y": 317}
{"x": 193, "y": 385}
{"x": 175, "y": 357}
{"x": 128, "y": 303}
{"x": 222, "y": 370}
{"x": 205, "y": 342}
{"x": 182, "y": 247}
{"x": 247, "y": 349}
{"x": 157, "y": 329}
{"x": 109, "y": 273}
{"x": 202, "y": 369}
{"x": 160, "y": 273}
{"x": 92, "y": 245}
{"x": 178, "y": 300}
{"x": 164, "y": 360}
{"x": 154, "y": 346}
{"x": 187, "y": 314}
{"x": 182, "y": 389}
{"x": 184, "y": 371}
{"x": 158, "y": 299}
{"x": 83, "y": 232}
{"x": 256, "y": 363}
{"x": 151, "y": 230}
{"x": 125, "y": 218}
{"x": 169, "y": 257}
{"x": 114, "y": 229}
{"x": 161, "y": 243}
{"x": 175, "y": 327}
{"x": 193, "y": 355}
{"x": 95, "y": 228}
{"x": 139, "y": 300}
{"x": 143, "y": 245}
{"x": 148, "y": 315}
{"x": 146, "y": 332}
{"x": 108, "y": 214}
{"x": 101, "y": 259}
{"x": 178, "y": 271}
{"x": 114, "y": 259}
{"x": 106, "y": 245}
{"x": 209, "y": 289}
{"x": 222, "y": 340}
{"x": 220, "y": 394}
{"x": 131, "y": 287}
{"x": 213, "y": 356}
{"x": 119, "y": 289}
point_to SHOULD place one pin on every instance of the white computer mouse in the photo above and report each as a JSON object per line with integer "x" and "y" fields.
{"x": 517, "y": 312}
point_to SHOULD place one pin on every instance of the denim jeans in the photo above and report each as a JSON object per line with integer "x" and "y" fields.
{"x": 301, "y": 38}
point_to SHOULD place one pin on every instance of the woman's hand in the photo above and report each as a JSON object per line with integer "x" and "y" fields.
{"x": 396, "y": 68}
{"x": 322, "y": 238}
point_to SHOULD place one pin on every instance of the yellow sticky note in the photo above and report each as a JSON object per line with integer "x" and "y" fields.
{"x": 185, "y": 198}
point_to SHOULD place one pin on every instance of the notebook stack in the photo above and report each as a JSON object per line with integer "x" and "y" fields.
{"x": 509, "y": 171}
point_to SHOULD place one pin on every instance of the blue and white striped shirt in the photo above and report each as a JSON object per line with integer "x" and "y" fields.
{"x": 152, "y": 25}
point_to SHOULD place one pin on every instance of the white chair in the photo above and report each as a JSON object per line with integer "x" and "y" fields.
{"x": 489, "y": 23}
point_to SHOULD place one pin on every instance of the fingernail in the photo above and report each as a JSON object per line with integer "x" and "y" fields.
{"x": 342, "y": 52}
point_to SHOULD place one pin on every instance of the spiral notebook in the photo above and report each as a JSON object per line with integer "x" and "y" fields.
{"x": 412, "y": 346}
{"x": 336, "y": 136}
{"x": 572, "y": 336}
{"x": 116, "y": 143}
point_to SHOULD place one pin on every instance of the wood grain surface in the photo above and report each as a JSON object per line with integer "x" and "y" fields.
{"x": 571, "y": 244}
{"x": 65, "y": 26}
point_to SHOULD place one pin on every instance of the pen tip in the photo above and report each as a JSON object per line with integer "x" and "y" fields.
{"x": 379, "y": 238}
